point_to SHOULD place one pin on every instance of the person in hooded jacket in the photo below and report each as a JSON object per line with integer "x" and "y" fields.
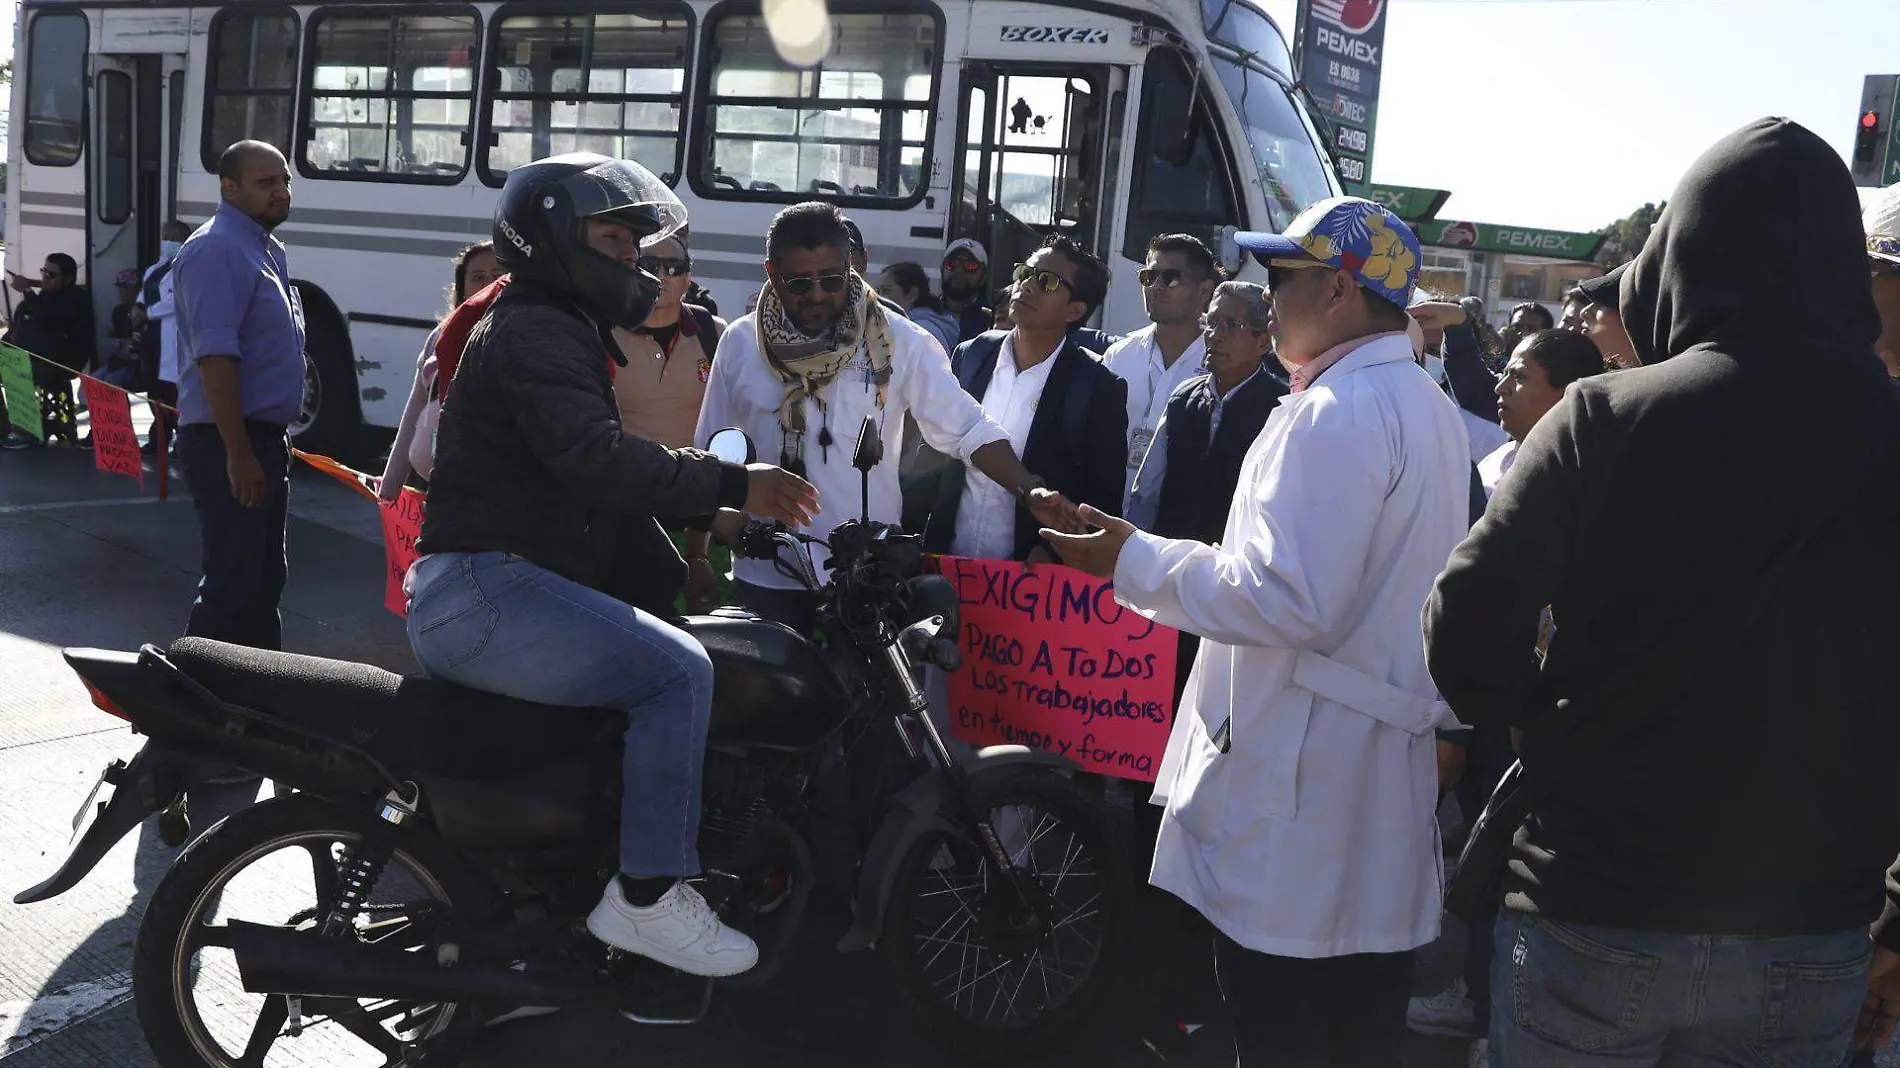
{"x": 1708, "y": 740}
{"x": 544, "y": 572}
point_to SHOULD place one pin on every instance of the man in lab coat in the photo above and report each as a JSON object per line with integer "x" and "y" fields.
{"x": 1300, "y": 779}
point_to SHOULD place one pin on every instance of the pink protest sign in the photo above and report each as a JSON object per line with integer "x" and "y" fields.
{"x": 1051, "y": 660}
{"x": 115, "y": 445}
{"x": 402, "y": 525}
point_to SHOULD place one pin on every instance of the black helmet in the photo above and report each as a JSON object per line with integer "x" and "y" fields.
{"x": 541, "y": 230}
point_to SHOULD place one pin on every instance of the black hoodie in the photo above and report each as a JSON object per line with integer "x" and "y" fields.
{"x": 1710, "y": 752}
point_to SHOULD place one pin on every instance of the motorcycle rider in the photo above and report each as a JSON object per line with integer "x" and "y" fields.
{"x": 545, "y": 573}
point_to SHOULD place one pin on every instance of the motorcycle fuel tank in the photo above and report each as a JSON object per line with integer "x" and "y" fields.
{"x": 769, "y": 687}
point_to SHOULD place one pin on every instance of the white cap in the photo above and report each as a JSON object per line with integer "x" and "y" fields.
{"x": 1882, "y": 222}
{"x": 973, "y": 247}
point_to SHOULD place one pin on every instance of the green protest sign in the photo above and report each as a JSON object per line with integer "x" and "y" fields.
{"x": 1488, "y": 237}
{"x": 23, "y": 404}
{"x": 1408, "y": 202}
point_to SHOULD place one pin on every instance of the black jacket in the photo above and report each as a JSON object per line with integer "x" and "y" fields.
{"x": 58, "y": 327}
{"x": 530, "y": 459}
{"x": 1709, "y": 751}
{"x": 1078, "y": 441}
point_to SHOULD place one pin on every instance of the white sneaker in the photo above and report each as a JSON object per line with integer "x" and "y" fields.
{"x": 1448, "y": 1012}
{"x": 680, "y": 931}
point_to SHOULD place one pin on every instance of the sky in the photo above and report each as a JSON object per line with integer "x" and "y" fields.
{"x": 1570, "y": 114}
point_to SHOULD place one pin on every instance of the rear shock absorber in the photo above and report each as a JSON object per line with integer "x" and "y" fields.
{"x": 362, "y": 864}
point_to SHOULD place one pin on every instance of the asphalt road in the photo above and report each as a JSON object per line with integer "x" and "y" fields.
{"x": 87, "y": 560}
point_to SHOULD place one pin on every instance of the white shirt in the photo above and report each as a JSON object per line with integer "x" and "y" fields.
{"x": 986, "y": 514}
{"x": 165, "y": 310}
{"x": 1491, "y": 469}
{"x": 1314, "y": 834}
{"x": 1484, "y": 436}
{"x": 743, "y": 392}
{"x": 1136, "y": 359}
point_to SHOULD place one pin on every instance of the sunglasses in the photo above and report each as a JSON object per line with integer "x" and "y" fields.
{"x": 799, "y": 285}
{"x": 49, "y": 272}
{"x": 1047, "y": 281}
{"x": 1216, "y": 326}
{"x": 1169, "y": 277}
{"x": 665, "y": 267}
{"x": 961, "y": 266}
{"x": 1278, "y": 270}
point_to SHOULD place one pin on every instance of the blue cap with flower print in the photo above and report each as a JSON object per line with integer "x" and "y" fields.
{"x": 1352, "y": 235}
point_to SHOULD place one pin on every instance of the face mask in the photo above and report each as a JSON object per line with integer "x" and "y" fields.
{"x": 168, "y": 249}
{"x": 1435, "y": 366}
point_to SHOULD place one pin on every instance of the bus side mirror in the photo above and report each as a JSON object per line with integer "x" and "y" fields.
{"x": 1230, "y": 260}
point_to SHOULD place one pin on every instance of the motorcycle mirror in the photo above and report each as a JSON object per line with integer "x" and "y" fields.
{"x": 732, "y": 445}
{"x": 870, "y": 446}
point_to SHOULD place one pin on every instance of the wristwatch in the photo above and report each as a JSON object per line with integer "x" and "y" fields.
{"x": 1028, "y": 486}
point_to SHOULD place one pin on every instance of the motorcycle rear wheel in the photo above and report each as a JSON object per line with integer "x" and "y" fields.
{"x": 179, "y": 969}
{"x": 973, "y": 976}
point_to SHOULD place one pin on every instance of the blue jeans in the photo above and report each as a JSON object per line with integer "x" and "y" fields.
{"x": 495, "y": 622}
{"x": 243, "y": 562}
{"x": 1571, "y": 996}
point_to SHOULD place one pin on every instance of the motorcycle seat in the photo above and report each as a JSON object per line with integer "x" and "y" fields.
{"x": 414, "y": 724}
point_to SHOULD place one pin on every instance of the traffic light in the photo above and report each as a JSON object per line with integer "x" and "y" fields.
{"x": 1867, "y": 139}
{"x": 1873, "y": 141}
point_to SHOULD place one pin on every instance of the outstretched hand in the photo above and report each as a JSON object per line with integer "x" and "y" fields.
{"x": 1052, "y": 509}
{"x": 1095, "y": 554}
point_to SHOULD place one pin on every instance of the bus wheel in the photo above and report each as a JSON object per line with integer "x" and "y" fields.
{"x": 328, "y": 420}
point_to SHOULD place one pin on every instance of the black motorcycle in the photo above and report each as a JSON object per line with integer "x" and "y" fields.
{"x": 432, "y": 873}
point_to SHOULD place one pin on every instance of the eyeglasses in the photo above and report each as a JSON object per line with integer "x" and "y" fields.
{"x": 799, "y": 285}
{"x": 1218, "y": 325}
{"x": 1277, "y": 270}
{"x": 1169, "y": 277}
{"x": 666, "y": 267}
{"x": 1878, "y": 269}
{"x": 963, "y": 266}
{"x": 49, "y": 272}
{"x": 1047, "y": 281}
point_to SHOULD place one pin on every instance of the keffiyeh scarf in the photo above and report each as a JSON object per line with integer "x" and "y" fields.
{"x": 805, "y": 364}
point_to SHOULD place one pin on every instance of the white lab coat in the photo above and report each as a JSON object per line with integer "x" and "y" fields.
{"x": 1314, "y": 835}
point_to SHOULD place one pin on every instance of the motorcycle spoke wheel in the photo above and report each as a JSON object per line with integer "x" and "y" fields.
{"x": 278, "y": 868}
{"x": 984, "y": 970}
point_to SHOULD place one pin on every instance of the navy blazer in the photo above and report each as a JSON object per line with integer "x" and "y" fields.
{"x": 1078, "y": 441}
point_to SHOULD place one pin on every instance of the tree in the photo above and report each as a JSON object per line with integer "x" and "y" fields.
{"x": 1628, "y": 235}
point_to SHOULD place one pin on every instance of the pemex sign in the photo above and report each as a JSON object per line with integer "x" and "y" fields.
{"x": 1523, "y": 240}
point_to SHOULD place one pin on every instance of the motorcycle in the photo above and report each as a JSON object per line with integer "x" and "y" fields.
{"x": 432, "y": 871}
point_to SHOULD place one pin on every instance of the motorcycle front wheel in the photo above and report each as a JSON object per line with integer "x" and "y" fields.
{"x": 275, "y": 863}
{"x": 982, "y": 971}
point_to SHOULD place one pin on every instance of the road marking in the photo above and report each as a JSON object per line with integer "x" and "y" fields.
{"x": 24, "y": 1024}
{"x": 67, "y": 506}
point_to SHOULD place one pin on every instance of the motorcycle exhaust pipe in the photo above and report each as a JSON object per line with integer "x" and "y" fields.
{"x": 278, "y": 960}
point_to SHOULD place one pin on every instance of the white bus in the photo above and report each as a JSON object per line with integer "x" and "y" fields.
{"x": 1108, "y": 120}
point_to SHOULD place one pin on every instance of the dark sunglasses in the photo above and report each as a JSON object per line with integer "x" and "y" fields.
{"x": 963, "y": 266}
{"x": 666, "y": 267}
{"x": 1047, "y": 281}
{"x": 800, "y": 285}
{"x": 49, "y": 272}
{"x": 1169, "y": 277}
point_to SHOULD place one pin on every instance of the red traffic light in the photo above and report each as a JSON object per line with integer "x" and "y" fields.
{"x": 1869, "y": 120}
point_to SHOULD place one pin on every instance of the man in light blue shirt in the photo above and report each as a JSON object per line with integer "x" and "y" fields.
{"x": 240, "y": 332}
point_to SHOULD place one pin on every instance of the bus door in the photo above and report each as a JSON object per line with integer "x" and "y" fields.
{"x": 137, "y": 110}
{"x": 1034, "y": 156}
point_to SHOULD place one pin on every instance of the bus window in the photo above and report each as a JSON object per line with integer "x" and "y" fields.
{"x": 55, "y": 89}
{"x": 857, "y": 126}
{"x": 1181, "y": 181}
{"x": 608, "y": 83}
{"x": 115, "y": 146}
{"x": 253, "y": 76}
{"x": 1292, "y": 173}
{"x": 389, "y": 96}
